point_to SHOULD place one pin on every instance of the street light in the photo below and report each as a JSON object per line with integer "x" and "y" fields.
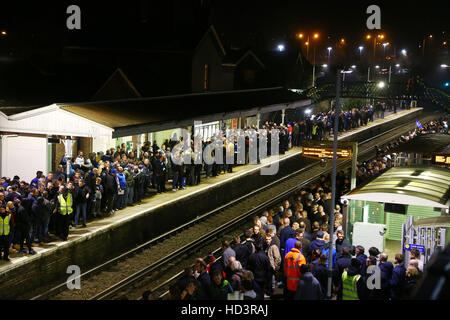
{"x": 3, "y": 33}
{"x": 397, "y": 65}
{"x": 443, "y": 66}
{"x": 377, "y": 67}
{"x": 404, "y": 52}
{"x": 381, "y": 84}
{"x": 353, "y": 67}
{"x": 360, "y": 50}
{"x": 280, "y": 47}
{"x": 325, "y": 66}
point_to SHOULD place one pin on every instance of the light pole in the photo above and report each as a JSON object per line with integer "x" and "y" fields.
{"x": 315, "y": 36}
{"x": 360, "y": 50}
{"x": 333, "y": 183}
{"x": 329, "y": 51}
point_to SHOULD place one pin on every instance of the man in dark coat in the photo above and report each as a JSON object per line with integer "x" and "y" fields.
{"x": 242, "y": 251}
{"x": 359, "y": 252}
{"x": 320, "y": 272}
{"x": 397, "y": 282}
{"x": 386, "y": 269}
{"x": 110, "y": 188}
{"x": 286, "y": 233}
{"x": 23, "y": 223}
{"x": 341, "y": 243}
{"x": 308, "y": 287}
{"x": 341, "y": 264}
{"x": 259, "y": 264}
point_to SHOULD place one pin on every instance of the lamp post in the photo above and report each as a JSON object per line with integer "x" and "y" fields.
{"x": 360, "y": 50}
{"x": 333, "y": 183}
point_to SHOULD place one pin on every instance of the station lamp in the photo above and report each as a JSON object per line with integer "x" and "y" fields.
{"x": 3, "y": 33}
{"x": 281, "y": 48}
{"x": 381, "y": 84}
{"x": 404, "y": 52}
{"x": 325, "y": 65}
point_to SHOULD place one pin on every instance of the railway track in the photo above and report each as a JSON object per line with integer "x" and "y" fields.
{"x": 157, "y": 263}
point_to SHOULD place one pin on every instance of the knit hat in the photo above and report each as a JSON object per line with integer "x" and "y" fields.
{"x": 263, "y": 220}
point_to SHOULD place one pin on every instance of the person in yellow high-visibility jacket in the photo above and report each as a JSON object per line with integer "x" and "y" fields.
{"x": 5, "y": 228}
{"x": 64, "y": 206}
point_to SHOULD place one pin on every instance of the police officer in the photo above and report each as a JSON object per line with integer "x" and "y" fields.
{"x": 5, "y": 227}
{"x": 64, "y": 206}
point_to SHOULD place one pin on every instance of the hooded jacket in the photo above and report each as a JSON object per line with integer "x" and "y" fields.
{"x": 308, "y": 288}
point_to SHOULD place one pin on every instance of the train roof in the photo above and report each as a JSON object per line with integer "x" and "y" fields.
{"x": 434, "y": 221}
{"x": 415, "y": 185}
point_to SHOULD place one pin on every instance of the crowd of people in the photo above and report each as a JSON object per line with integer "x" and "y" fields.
{"x": 289, "y": 247}
{"x": 101, "y": 184}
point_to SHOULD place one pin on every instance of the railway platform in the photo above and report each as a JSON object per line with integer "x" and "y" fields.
{"x": 109, "y": 236}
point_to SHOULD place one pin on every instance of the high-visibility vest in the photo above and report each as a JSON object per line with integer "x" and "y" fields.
{"x": 314, "y": 129}
{"x": 292, "y": 262}
{"x": 4, "y": 225}
{"x": 349, "y": 287}
{"x": 65, "y": 207}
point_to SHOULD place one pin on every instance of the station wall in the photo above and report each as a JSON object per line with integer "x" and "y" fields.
{"x": 23, "y": 156}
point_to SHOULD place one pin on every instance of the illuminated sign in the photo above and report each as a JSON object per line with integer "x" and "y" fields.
{"x": 323, "y": 152}
{"x": 438, "y": 159}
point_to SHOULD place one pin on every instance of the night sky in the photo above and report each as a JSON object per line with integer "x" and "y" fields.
{"x": 143, "y": 23}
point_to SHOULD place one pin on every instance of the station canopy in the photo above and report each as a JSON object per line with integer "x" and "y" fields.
{"x": 428, "y": 144}
{"x": 142, "y": 115}
{"x": 419, "y": 186}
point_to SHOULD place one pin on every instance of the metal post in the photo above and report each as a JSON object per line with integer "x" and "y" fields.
{"x": 314, "y": 67}
{"x": 354, "y": 167}
{"x": 258, "y": 120}
{"x": 333, "y": 183}
{"x": 282, "y": 115}
{"x": 390, "y": 71}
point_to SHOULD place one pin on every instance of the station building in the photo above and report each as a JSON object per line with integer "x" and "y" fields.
{"x": 36, "y": 138}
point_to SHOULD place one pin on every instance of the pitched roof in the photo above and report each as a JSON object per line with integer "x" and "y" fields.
{"x": 136, "y": 116}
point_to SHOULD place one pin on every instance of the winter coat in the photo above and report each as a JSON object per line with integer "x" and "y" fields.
{"x": 308, "y": 288}
{"x": 273, "y": 253}
{"x": 397, "y": 282}
{"x": 340, "y": 245}
{"x": 220, "y": 292}
{"x": 242, "y": 253}
{"x": 320, "y": 272}
{"x": 259, "y": 264}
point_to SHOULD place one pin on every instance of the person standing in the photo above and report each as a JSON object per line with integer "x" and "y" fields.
{"x": 397, "y": 282}
{"x": 64, "y": 207}
{"x": 259, "y": 264}
{"x": 308, "y": 287}
{"x": 292, "y": 262}
{"x": 352, "y": 282}
{"x": 81, "y": 196}
{"x": 5, "y": 228}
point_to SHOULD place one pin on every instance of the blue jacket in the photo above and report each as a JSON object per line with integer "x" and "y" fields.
{"x": 122, "y": 181}
{"x": 290, "y": 243}
{"x": 325, "y": 251}
{"x": 386, "y": 273}
{"x": 308, "y": 288}
{"x": 317, "y": 244}
{"x": 397, "y": 282}
{"x": 285, "y": 234}
{"x": 363, "y": 259}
